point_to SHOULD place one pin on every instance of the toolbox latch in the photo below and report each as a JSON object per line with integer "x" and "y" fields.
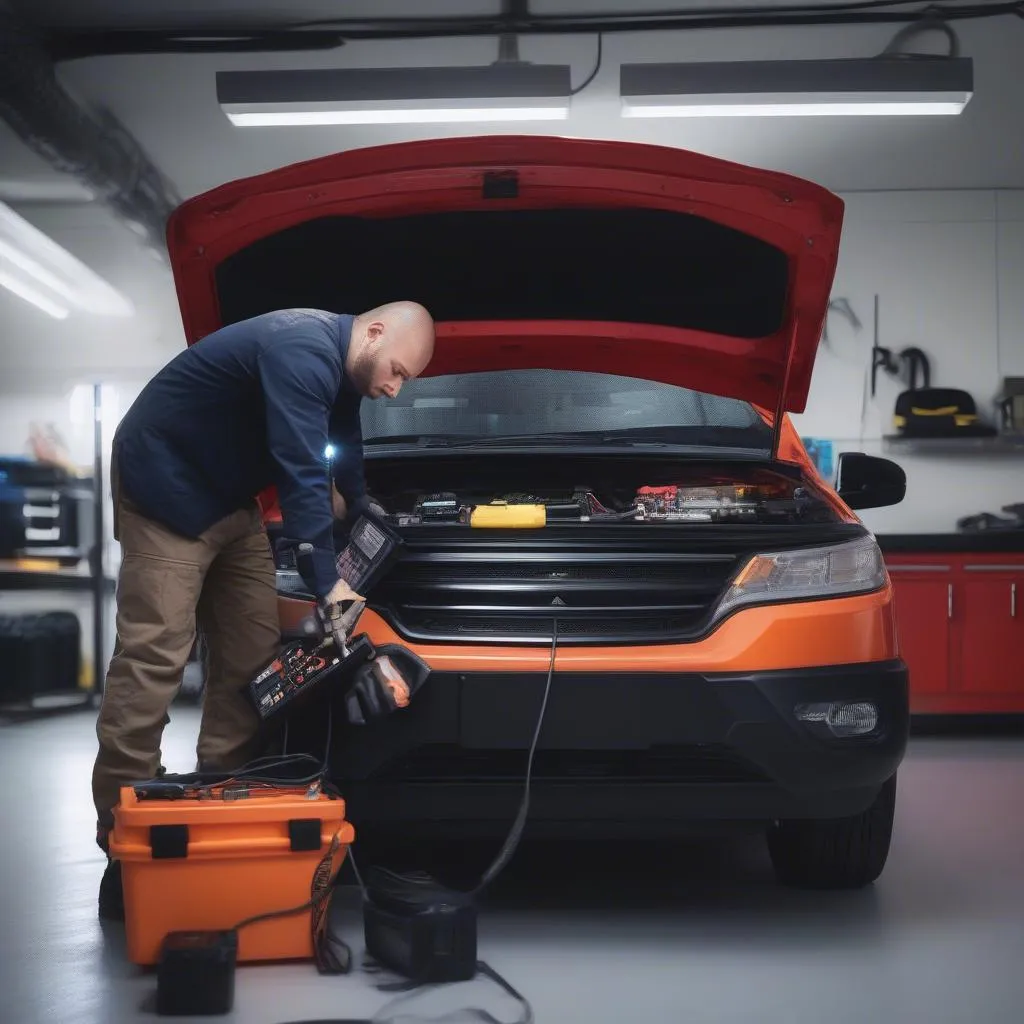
{"x": 168, "y": 842}
{"x": 304, "y": 834}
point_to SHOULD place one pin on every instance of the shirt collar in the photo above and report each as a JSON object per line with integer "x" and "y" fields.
{"x": 345, "y": 322}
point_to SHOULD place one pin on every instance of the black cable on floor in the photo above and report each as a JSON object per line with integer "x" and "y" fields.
{"x": 516, "y": 832}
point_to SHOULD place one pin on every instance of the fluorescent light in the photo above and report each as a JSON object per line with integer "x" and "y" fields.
{"x": 54, "y": 278}
{"x": 795, "y": 107}
{"x": 25, "y": 291}
{"x": 879, "y": 86}
{"x": 511, "y": 91}
{"x": 273, "y": 119}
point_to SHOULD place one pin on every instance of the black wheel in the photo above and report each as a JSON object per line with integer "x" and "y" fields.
{"x": 835, "y": 853}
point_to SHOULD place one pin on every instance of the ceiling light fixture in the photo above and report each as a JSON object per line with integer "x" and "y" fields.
{"x": 875, "y": 86}
{"x": 503, "y": 91}
{"x": 35, "y": 268}
{"x": 34, "y": 296}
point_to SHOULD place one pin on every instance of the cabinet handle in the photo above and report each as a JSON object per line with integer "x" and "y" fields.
{"x": 949, "y": 600}
{"x": 1013, "y": 600}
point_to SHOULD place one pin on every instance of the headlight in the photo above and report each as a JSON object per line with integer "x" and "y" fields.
{"x": 852, "y": 568}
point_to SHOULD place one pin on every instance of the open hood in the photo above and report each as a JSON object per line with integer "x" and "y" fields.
{"x": 535, "y": 253}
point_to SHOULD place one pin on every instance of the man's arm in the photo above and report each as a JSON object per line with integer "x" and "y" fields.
{"x": 300, "y": 381}
{"x": 347, "y": 438}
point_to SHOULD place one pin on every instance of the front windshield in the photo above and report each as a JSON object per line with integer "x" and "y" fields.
{"x": 563, "y": 406}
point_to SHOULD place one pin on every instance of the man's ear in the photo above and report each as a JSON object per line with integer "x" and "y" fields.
{"x": 375, "y": 331}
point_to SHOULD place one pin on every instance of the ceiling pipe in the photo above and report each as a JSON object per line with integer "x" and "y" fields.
{"x": 75, "y": 43}
{"x": 91, "y": 146}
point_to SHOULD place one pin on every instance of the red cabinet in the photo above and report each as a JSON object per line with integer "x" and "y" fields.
{"x": 991, "y": 635}
{"x": 922, "y": 605}
{"x": 960, "y": 621}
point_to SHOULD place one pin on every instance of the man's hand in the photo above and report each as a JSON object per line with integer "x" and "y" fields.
{"x": 339, "y": 620}
{"x": 338, "y": 505}
{"x": 341, "y": 592}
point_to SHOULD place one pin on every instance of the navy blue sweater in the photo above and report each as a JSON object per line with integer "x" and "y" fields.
{"x": 251, "y": 405}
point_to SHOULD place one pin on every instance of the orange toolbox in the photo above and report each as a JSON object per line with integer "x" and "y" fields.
{"x": 214, "y": 861}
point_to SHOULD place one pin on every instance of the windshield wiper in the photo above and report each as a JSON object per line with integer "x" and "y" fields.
{"x": 515, "y": 439}
{"x": 635, "y": 437}
{"x": 474, "y": 440}
{"x": 425, "y": 440}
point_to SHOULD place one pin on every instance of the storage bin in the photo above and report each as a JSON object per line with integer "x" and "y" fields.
{"x": 39, "y": 655}
{"x": 193, "y": 864}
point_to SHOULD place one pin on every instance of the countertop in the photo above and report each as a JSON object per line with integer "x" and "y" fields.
{"x": 951, "y": 543}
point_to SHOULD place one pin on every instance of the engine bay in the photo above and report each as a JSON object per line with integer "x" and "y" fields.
{"x": 762, "y": 497}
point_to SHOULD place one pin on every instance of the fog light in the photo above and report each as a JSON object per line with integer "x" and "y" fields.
{"x": 842, "y": 720}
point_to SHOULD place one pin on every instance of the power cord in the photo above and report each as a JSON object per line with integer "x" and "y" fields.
{"x": 516, "y": 832}
{"x": 258, "y": 771}
{"x": 332, "y": 954}
{"x": 387, "y": 1015}
{"x": 413, "y": 989}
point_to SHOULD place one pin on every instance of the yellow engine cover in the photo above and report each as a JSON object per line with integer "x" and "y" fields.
{"x": 516, "y": 517}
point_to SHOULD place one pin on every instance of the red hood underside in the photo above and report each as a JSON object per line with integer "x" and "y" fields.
{"x": 693, "y": 282}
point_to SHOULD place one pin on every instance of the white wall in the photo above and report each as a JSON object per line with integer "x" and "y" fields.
{"x": 946, "y": 267}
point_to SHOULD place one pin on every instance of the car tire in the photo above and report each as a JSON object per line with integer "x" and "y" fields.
{"x": 835, "y": 853}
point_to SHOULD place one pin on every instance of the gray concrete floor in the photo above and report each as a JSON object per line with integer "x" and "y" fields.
{"x": 698, "y": 933}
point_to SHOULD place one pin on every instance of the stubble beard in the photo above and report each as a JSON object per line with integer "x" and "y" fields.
{"x": 361, "y": 372}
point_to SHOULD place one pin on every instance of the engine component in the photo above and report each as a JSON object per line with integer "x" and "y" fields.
{"x": 709, "y": 499}
{"x": 729, "y": 503}
{"x": 499, "y": 515}
{"x": 432, "y": 508}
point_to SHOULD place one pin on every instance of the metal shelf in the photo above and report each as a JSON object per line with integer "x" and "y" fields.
{"x": 1001, "y": 444}
{"x": 13, "y": 578}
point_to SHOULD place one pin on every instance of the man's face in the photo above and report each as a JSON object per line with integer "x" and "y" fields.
{"x": 378, "y": 371}
{"x": 384, "y": 364}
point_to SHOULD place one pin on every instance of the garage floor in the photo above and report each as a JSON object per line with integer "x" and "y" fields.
{"x": 661, "y": 935}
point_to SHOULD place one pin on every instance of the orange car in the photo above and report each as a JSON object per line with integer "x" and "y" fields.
{"x": 622, "y": 332}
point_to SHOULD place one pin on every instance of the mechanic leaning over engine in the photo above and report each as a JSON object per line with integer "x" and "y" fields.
{"x": 252, "y": 405}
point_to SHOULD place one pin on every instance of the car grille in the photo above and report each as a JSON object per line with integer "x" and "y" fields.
{"x": 463, "y": 593}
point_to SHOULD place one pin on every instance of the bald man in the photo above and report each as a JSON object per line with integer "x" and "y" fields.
{"x": 252, "y": 405}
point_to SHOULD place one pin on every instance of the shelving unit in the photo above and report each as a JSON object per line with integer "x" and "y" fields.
{"x": 16, "y": 578}
{"x": 1001, "y": 444}
{"x": 76, "y": 570}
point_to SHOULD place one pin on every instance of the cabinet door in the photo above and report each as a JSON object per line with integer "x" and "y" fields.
{"x": 991, "y": 627}
{"x": 922, "y": 624}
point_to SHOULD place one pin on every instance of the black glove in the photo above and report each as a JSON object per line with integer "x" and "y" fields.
{"x": 385, "y": 684}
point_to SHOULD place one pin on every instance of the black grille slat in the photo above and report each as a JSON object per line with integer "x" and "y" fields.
{"x": 534, "y": 572}
{"x": 466, "y": 627}
{"x": 660, "y": 589}
{"x": 545, "y": 611}
{"x": 463, "y": 593}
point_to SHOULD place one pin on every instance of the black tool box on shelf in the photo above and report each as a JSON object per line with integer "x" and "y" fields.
{"x": 39, "y": 654}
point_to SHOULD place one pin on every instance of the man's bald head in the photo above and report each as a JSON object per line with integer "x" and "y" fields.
{"x": 390, "y": 345}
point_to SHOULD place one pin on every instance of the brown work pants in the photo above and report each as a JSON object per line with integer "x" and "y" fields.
{"x": 224, "y": 580}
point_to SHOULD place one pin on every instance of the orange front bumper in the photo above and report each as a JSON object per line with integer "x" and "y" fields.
{"x": 835, "y": 631}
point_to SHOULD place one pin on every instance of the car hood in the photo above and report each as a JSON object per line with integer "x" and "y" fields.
{"x": 554, "y": 253}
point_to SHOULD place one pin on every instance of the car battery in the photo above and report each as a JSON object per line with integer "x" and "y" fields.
{"x": 212, "y": 859}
